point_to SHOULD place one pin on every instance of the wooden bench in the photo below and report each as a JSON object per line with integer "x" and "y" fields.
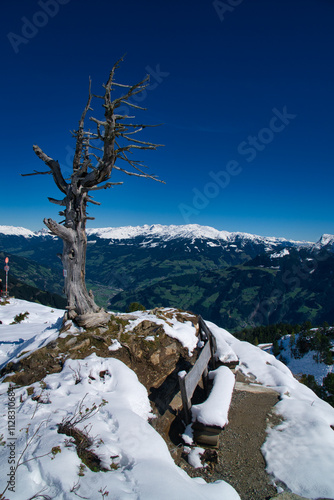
{"x": 203, "y": 434}
{"x": 189, "y": 381}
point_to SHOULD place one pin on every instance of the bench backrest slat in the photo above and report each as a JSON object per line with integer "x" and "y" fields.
{"x": 193, "y": 377}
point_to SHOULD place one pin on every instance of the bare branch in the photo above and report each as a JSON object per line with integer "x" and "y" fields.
{"x": 94, "y": 147}
{"x": 93, "y": 201}
{"x": 134, "y": 163}
{"x": 134, "y": 105}
{"x": 86, "y": 163}
{"x": 132, "y": 146}
{"x": 120, "y": 85}
{"x": 57, "y": 202}
{"x": 141, "y": 142}
{"x": 140, "y": 126}
{"x": 97, "y": 158}
{"x": 99, "y": 122}
{"x": 147, "y": 176}
{"x": 80, "y": 132}
{"x": 54, "y": 167}
{"x": 135, "y": 89}
{"x": 123, "y": 117}
{"x": 37, "y": 173}
{"x": 105, "y": 186}
{"x": 65, "y": 233}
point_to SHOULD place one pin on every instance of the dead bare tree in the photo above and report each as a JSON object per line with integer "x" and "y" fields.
{"x": 96, "y": 153}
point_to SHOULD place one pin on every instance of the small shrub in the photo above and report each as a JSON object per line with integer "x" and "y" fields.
{"x": 309, "y": 381}
{"x": 19, "y": 318}
{"x": 104, "y": 492}
{"x": 23, "y": 352}
{"x": 82, "y": 469}
{"x": 81, "y": 439}
{"x": 135, "y": 306}
{"x": 328, "y": 384}
{"x": 54, "y": 451}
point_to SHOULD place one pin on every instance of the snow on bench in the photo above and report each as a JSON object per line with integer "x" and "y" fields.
{"x": 214, "y": 411}
{"x": 209, "y": 418}
{"x": 221, "y": 351}
{"x": 225, "y": 353}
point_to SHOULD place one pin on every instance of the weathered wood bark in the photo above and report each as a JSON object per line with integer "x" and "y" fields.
{"x": 92, "y": 166}
{"x": 81, "y": 305}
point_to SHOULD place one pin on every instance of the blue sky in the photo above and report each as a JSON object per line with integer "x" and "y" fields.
{"x": 243, "y": 89}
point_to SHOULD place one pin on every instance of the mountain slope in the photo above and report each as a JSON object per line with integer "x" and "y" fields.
{"x": 135, "y": 256}
{"x": 235, "y": 279}
{"x": 33, "y": 273}
{"x": 296, "y": 289}
{"x": 21, "y": 290}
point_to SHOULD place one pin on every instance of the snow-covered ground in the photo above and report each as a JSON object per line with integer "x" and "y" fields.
{"x": 37, "y": 329}
{"x": 300, "y": 451}
{"x": 138, "y": 463}
{"x": 306, "y": 364}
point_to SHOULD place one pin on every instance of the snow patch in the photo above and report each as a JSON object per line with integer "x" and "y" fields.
{"x": 326, "y": 239}
{"x": 185, "y": 333}
{"x": 115, "y": 345}
{"x": 16, "y": 231}
{"x": 194, "y": 457}
{"x": 277, "y": 255}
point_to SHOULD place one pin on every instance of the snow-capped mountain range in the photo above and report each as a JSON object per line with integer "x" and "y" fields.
{"x": 17, "y": 231}
{"x": 170, "y": 232}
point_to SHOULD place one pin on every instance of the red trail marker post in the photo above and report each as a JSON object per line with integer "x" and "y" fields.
{"x": 6, "y": 268}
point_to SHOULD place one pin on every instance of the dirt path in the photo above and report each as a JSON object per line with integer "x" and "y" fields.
{"x": 240, "y": 461}
{"x": 239, "y": 458}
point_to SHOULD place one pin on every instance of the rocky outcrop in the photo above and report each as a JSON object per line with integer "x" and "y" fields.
{"x": 154, "y": 356}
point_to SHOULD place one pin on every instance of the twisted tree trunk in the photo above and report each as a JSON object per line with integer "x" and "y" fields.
{"x": 81, "y": 306}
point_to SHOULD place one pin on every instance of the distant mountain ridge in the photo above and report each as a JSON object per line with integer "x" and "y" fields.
{"x": 168, "y": 232}
{"x": 233, "y": 279}
{"x": 17, "y": 231}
